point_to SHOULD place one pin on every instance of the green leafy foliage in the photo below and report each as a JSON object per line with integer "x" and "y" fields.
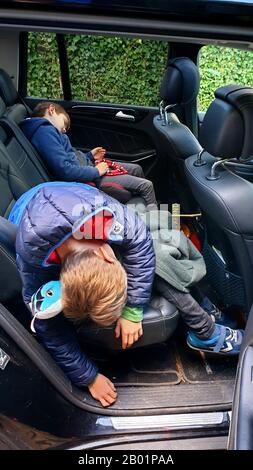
{"x": 125, "y": 71}
{"x": 221, "y": 66}
{"x": 107, "y": 70}
{"x": 43, "y": 70}
{"x": 116, "y": 70}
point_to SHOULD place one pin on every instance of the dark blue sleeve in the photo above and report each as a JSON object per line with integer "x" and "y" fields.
{"x": 33, "y": 277}
{"x": 69, "y": 148}
{"x": 138, "y": 258}
{"x": 62, "y": 162}
{"x": 58, "y": 336}
{"x": 89, "y": 156}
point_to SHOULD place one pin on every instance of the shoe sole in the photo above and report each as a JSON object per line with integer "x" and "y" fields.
{"x": 208, "y": 351}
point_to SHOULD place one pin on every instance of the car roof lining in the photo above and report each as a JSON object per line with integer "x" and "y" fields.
{"x": 165, "y": 30}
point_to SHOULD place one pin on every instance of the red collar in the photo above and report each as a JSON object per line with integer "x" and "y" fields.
{"x": 95, "y": 228}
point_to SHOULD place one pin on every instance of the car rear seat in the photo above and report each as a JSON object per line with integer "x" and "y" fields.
{"x": 21, "y": 169}
{"x": 16, "y": 111}
{"x": 18, "y": 172}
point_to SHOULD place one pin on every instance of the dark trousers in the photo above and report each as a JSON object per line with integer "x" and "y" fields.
{"x": 134, "y": 182}
{"x": 194, "y": 316}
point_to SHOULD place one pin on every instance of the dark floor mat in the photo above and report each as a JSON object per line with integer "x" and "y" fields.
{"x": 167, "y": 364}
{"x": 151, "y": 366}
{"x": 200, "y": 367}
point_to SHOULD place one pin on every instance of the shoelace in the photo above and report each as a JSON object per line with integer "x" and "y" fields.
{"x": 232, "y": 337}
{"x": 216, "y": 313}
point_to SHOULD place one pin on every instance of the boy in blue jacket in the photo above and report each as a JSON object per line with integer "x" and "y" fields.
{"x": 46, "y": 130}
{"x": 69, "y": 230}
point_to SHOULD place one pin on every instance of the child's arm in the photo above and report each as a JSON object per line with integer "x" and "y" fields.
{"x": 138, "y": 258}
{"x": 61, "y": 161}
{"x": 58, "y": 336}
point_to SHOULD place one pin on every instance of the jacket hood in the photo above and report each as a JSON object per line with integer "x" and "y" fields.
{"x": 57, "y": 210}
{"x": 30, "y": 125}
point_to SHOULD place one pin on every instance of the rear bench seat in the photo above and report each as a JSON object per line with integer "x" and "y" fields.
{"x": 20, "y": 169}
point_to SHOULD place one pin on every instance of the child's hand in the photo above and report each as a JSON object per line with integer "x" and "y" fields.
{"x": 102, "y": 168}
{"x": 98, "y": 153}
{"x": 103, "y": 390}
{"x": 130, "y": 332}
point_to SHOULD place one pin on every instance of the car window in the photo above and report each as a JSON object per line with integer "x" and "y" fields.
{"x": 115, "y": 69}
{"x": 43, "y": 68}
{"x": 101, "y": 69}
{"x": 220, "y": 66}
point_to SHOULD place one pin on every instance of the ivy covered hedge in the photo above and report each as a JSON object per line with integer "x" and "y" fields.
{"x": 43, "y": 71}
{"x": 116, "y": 70}
{"x": 121, "y": 70}
{"x": 222, "y": 66}
{"x": 108, "y": 70}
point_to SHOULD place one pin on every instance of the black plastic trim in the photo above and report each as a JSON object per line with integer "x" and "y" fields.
{"x": 22, "y": 73}
{"x": 63, "y": 58}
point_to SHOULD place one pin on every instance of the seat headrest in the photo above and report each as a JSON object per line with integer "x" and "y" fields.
{"x": 180, "y": 84}
{"x": 8, "y": 91}
{"x": 227, "y": 128}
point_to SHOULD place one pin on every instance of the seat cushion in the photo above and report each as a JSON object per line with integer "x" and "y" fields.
{"x": 160, "y": 317}
{"x": 159, "y": 323}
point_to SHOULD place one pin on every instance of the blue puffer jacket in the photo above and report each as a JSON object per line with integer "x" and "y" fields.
{"x": 58, "y": 154}
{"x": 48, "y": 215}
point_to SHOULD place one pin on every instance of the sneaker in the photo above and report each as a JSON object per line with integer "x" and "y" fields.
{"x": 224, "y": 340}
{"x": 217, "y": 315}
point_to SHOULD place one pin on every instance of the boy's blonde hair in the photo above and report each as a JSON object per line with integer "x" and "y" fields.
{"x": 41, "y": 108}
{"x": 92, "y": 287}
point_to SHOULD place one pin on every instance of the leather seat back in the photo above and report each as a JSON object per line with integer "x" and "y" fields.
{"x": 179, "y": 89}
{"x": 8, "y": 91}
{"x": 225, "y": 198}
{"x": 10, "y": 282}
{"x": 226, "y": 131}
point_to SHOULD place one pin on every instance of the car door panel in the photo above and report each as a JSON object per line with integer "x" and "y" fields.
{"x": 127, "y": 133}
{"x": 123, "y": 132}
{"x": 241, "y": 431}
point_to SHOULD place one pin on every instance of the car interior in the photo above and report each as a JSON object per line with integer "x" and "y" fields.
{"x": 22, "y": 169}
{"x": 204, "y": 166}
